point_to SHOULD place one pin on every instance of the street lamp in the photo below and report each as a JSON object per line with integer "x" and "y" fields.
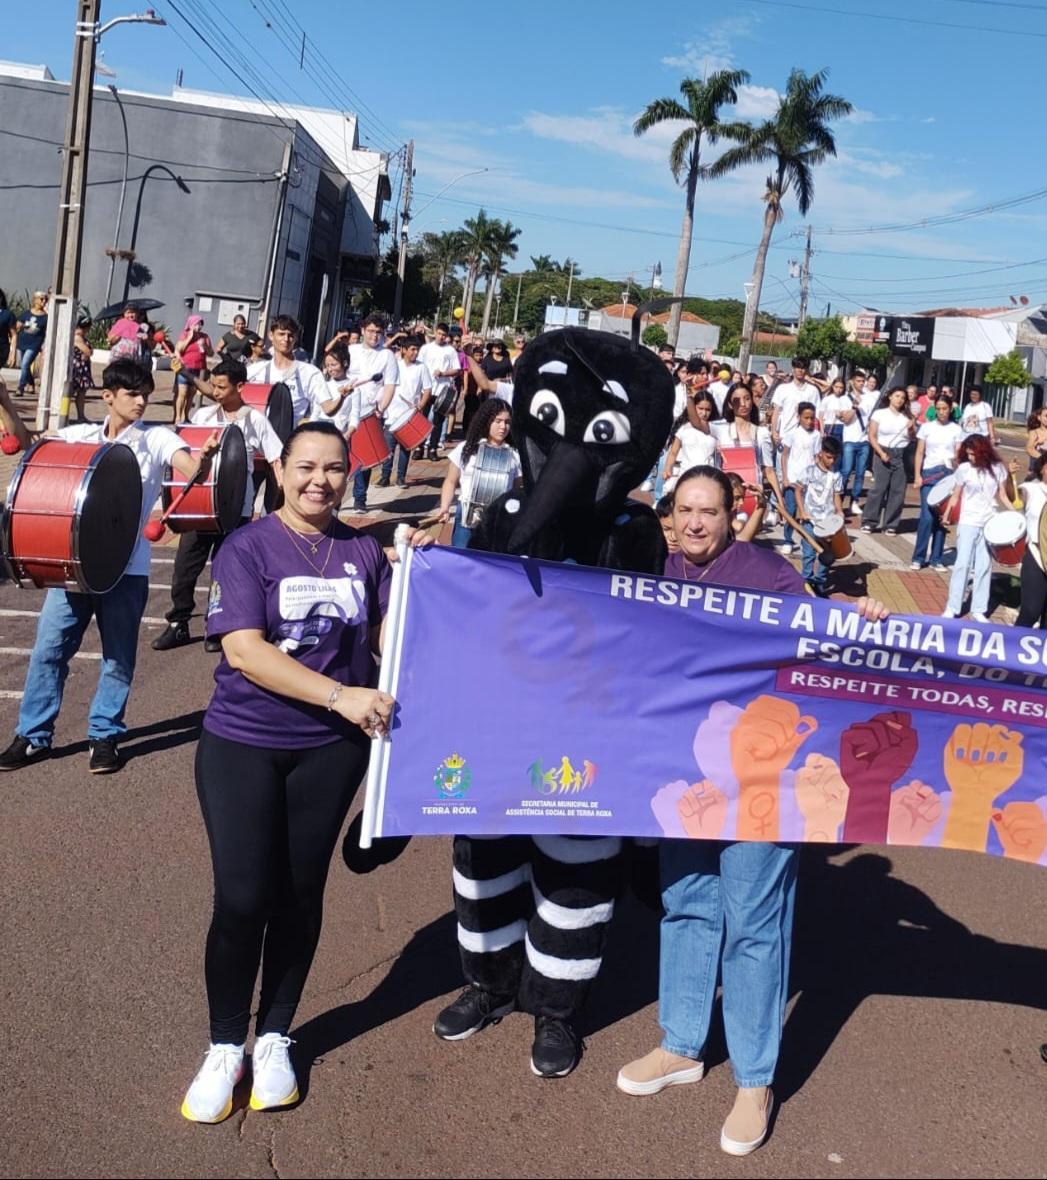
{"x": 115, "y": 249}
{"x": 138, "y": 213}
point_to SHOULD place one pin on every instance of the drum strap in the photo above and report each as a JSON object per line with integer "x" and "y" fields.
{"x": 294, "y": 373}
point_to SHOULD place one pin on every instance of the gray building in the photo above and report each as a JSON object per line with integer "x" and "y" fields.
{"x": 227, "y": 208}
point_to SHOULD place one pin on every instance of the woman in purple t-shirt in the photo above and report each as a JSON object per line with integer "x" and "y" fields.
{"x": 728, "y": 905}
{"x": 298, "y": 600}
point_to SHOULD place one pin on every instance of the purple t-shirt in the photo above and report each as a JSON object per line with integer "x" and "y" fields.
{"x": 262, "y": 581}
{"x": 742, "y": 564}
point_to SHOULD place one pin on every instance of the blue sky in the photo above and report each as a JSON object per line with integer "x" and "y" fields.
{"x": 946, "y": 119}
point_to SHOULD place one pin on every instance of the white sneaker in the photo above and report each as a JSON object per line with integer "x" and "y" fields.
{"x": 209, "y": 1098}
{"x": 915, "y": 565}
{"x": 981, "y": 618}
{"x": 647, "y": 485}
{"x": 274, "y": 1082}
{"x": 784, "y": 548}
{"x": 948, "y": 614}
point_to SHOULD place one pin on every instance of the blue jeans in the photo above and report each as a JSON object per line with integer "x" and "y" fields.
{"x": 460, "y": 535}
{"x": 856, "y": 460}
{"x": 789, "y": 495}
{"x": 971, "y": 549}
{"x": 401, "y": 462}
{"x": 729, "y": 912}
{"x": 929, "y": 530}
{"x": 361, "y": 482}
{"x": 813, "y": 570}
{"x": 59, "y": 634}
{"x": 29, "y": 355}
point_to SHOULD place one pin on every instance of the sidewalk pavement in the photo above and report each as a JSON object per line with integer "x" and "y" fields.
{"x": 877, "y": 567}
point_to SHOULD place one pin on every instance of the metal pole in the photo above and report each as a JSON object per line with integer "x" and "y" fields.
{"x": 405, "y": 218}
{"x": 805, "y": 279}
{"x": 570, "y": 281}
{"x": 278, "y": 218}
{"x": 53, "y": 402}
{"x": 516, "y": 310}
{"x": 123, "y": 193}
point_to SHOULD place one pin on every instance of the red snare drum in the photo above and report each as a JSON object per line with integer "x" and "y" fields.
{"x": 367, "y": 445}
{"x": 938, "y": 498}
{"x": 275, "y": 403}
{"x": 412, "y": 431}
{"x": 742, "y": 461}
{"x": 72, "y": 516}
{"x": 1005, "y": 536}
{"x": 216, "y": 504}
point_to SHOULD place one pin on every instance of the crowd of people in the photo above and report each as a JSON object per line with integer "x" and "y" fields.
{"x": 297, "y": 607}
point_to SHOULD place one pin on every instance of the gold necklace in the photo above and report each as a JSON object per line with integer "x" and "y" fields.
{"x": 296, "y": 536}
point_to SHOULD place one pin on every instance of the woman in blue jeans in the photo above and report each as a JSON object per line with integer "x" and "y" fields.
{"x": 728, "y": 905}
{"x": 937, "y": 443}
{"x": 32, "y": 328}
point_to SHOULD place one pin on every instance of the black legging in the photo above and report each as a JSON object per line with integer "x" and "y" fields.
{"x": 272, "y": 819}
{"x": 1033, "y": 609}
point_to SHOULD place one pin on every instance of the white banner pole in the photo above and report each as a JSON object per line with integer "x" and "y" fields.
{"x": 377, "y": 767}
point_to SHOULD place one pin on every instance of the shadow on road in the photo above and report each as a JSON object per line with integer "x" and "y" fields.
{"x": 147, "y": 739}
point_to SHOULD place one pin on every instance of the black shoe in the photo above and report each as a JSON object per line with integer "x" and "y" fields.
{"x": 381, "y": 483}
{"x": 557, "y": 1048}
{"x": 21, "y": 753}
{"x": 819, "y": 589}
{"x": 211, "y": 644}
{"x": 105, "y": 758}
{"x": 401, "y": 483}
{"x": 173, "y": 635}
{"x": 474, "y": 1010}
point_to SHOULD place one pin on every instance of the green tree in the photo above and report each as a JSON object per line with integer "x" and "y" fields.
{"x": 822, "y": 340}
{"x": 442, "y": 254}
{"x": 700, "y": 110}
{"x": 476, "y": 240}
{"x": 794, "y": 141}
{"x": 543, "y": 264}
{"x": 1008, "y": 369}
{"x": 655, "y": 336}
{"x": 501, "y": 246}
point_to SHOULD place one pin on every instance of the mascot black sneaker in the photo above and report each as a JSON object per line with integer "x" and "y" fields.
{"x": 474, "y": 1010}
{"x": 557, "y": 1048}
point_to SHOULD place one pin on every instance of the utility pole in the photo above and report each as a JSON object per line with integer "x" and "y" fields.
{"x": 805, "y": 279}
{"x": 53, "y": 405}
{"x": 405, "y": 219}
{"x": 570, "y": 281}
{"x": 516, "y": 310}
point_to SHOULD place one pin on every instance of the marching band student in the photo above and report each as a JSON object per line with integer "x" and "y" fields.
{"x": 443, "y": 361}
{"x": 126, "y": 387}
{"x": 819, "y": 487}
{"x": 799, "y": 447}
{"x": 374, "y": 375}
{"x": 412, "y": 394}
{"x": 305, "y": 381}
{"x": 490, "y": 426}
{"x": 1033, "y": 494}
{"x": 194, "y": 548}
{"x": 937, "y": 442}
{"x": 339, "y": 389}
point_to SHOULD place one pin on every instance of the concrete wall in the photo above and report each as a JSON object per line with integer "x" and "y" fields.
{"x": 215, "y": 238}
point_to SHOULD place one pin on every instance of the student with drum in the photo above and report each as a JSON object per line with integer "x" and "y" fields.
{"x": 482, "y": 468}
{"x": 820, "y": 502}
{"x": 937, "y": 444}
{"x": 982, "y": 485}
{"x": 126, "y": 387}
{"x": 406, "y": 412}
{"x": 305, "y": 381}
{"x": 298, "y": 601}
{"x": 197, "y": 545}
{"x": 1033, "y": 610}
{"x": 374, "y": 375}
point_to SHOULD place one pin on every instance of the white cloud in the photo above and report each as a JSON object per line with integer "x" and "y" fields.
{"x": 605, "y": 129}
{"x": 713, "y": 48}
{"x": 860, "y": 116}
{"x": 930, "y": 119}
{"x": 756, "y": 102}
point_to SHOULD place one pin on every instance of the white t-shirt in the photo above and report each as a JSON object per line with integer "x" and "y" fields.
{"x": 803, "y": 446}
{"x": 153, "y": 447}
{"x": 940, "y": 440}
{"x": 697, "y": 449}
{"x": 342, "y": 415}
{"x": 440, "y": 358}
{"x": 819, "y": 491}
{"x": 975, "y": 418}
{"x": 980, "y": 500}
{"x": 787, "y": 397}
{"x": 364, "y": 365}
{"x": 259, "y": 438}
{"x": 414, "y": 380}
{"x": 468, "y": 472}
{"x": 726, "y": 435}
{"x": 718, "y": 392}
{"x": 857, "y": 430}
{"x": 892, "y": 429}
{"x": 1034, "y": 497}
{"x": 305, "y": 381}
{"x": 679, "y": 400}
{"x": 831, "y": 406}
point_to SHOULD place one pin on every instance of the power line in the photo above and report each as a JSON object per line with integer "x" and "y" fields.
{"x": 941, "y": 219}
{"x": 931, "y": 278}
{"x": 903, "y": 20}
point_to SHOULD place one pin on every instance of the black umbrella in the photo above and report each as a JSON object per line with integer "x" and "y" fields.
{"x": 115, "y": 310}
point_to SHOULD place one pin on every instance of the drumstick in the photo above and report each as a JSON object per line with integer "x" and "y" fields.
{"x": 154, "y": 530}
{"x": 808, "y": 537}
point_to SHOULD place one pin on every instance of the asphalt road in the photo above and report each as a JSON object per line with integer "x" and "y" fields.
{"x": 911, "y": 1049}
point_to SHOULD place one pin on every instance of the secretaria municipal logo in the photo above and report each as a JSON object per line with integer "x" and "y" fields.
{"x": 564, "y": 779}
{"x": 214, "y": 599}
{"x": 453, "y": 778}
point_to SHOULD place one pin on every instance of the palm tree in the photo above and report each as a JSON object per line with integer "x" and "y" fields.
{"x": 476, "y": 238}
{"x": 794, "y": 140}
{"x": 700, "y": 110}
{"x": 543, "y": 264}
{"x": 443, "y": 253}
{"x": 502, "y": 247}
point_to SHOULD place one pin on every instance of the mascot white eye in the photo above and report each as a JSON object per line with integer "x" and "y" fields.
{"x": 609, "y": 428}
{"x": 545, "y": 406}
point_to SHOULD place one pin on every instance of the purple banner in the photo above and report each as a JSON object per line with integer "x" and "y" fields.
{"x": 543, "y": 698}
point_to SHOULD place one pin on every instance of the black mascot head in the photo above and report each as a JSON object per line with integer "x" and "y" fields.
{"x": 591, "y": 413}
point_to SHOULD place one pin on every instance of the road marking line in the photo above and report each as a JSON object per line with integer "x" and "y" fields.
{"x": 6, "y": 612}
{"x": 28, "y": 651}
{"x": 10, "y": 694}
